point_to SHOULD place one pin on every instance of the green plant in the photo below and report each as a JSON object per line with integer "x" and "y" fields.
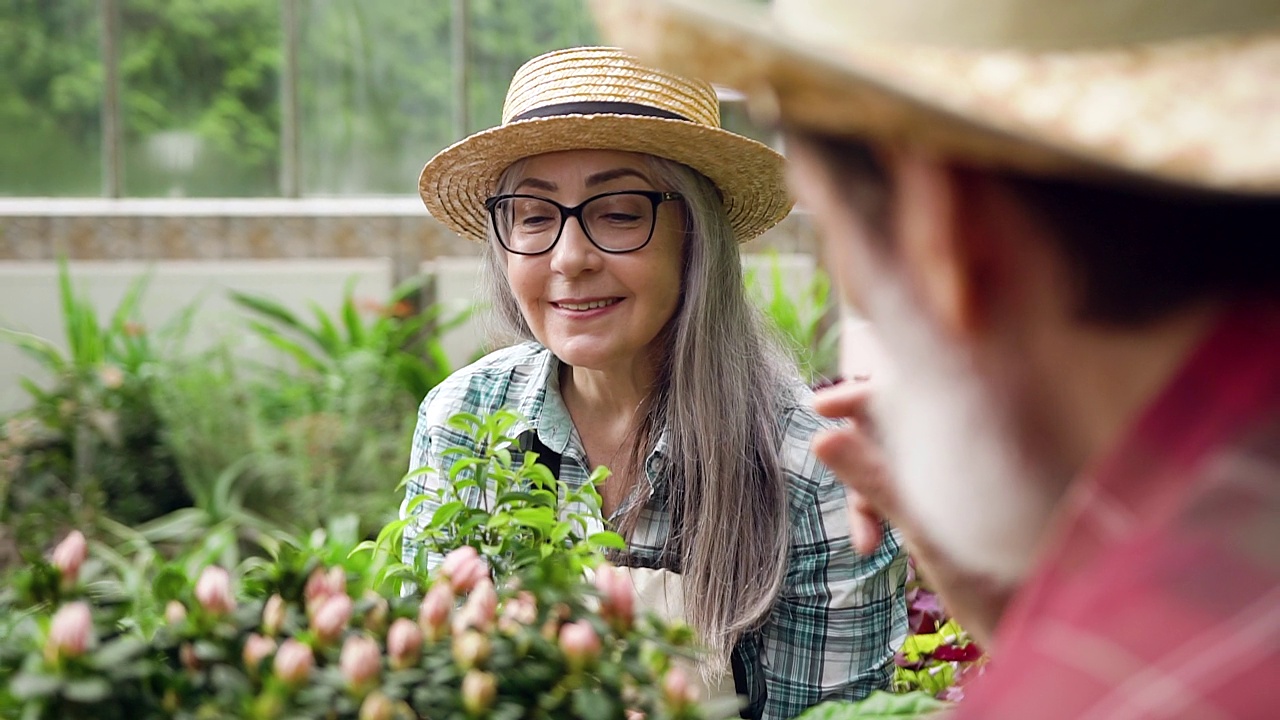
{"x": 320, "y": 629}
{"x": 524, "y": 517}
{"x": 878, "y": 706}
{"x": 801, "y": 321}
{"x": 328, "y": 430}
{"x": 91, "y": 442}
{"x": 402, "y": 341}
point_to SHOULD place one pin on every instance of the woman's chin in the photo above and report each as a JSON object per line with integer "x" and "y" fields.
{"x": 588, "y": 354}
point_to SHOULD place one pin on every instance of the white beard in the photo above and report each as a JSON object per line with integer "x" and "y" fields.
{"x": 959, "y": 475}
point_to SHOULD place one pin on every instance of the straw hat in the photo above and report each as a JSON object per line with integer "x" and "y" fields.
{"x": 598, "y": 98}
{"x": 1176, "y": 92}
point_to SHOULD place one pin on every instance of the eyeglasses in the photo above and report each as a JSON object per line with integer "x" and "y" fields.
{"x": 615, "y": 222}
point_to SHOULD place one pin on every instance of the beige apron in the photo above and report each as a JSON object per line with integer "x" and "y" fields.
{"x": 660, "y": 592}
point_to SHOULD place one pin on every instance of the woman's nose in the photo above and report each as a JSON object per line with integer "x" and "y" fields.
{"x": 574, "y": 253}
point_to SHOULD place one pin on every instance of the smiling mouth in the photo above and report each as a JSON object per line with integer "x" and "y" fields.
{"x": 592, "y": 305}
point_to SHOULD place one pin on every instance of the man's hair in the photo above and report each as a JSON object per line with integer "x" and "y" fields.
{"x": 1137, "y": 253}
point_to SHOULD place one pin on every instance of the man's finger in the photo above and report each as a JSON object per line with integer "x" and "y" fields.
{"x": 843, "y": 400}
{"x": 859, "y": 464}
{"x": 865, "y": 528}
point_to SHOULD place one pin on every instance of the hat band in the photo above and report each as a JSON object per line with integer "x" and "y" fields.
{"x": 598, "y": 108}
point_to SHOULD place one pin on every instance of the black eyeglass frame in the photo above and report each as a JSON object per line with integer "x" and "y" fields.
{"x": 657, "y": 197}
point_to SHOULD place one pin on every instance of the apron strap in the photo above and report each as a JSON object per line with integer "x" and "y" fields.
{"x": 529, "y": 442}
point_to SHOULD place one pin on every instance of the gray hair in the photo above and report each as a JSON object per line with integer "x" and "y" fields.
{"x": 717, "y": 398}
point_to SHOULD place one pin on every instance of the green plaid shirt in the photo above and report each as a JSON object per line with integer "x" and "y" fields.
{"x": 840, "y": 616}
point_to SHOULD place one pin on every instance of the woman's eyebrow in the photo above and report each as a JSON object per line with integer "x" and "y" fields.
{"x": 605, "y": 176}
{"x": 538, "y": 184}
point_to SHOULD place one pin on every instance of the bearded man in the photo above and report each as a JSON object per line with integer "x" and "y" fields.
{"x": 1062, "y": 219}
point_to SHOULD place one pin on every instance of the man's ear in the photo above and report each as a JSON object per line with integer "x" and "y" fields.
{"x": 942, "y": 229}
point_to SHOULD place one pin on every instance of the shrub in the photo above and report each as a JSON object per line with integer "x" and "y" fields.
{"x": 321, "y": 629}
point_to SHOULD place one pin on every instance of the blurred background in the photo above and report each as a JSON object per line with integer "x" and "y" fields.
{"x": 220, "y": 298}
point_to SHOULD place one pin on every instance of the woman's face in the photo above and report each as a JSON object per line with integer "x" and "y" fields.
{"x": 593, "y": 309}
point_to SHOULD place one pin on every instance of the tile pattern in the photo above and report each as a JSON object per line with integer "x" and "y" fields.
{"x": 49, "y": 230}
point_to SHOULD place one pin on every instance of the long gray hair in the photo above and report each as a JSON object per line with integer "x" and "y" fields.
{"x": 717, "y": 397}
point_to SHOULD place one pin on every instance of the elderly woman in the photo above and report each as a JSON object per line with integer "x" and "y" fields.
{"x": 610, "y": 204}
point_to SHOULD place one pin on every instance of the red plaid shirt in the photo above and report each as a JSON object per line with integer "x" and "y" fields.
{"x": 1159, "y": 595}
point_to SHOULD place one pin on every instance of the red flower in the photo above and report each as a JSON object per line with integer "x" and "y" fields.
{"x": 954, "y": 653}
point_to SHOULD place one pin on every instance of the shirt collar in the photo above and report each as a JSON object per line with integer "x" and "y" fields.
{"x": 545, "y": 412}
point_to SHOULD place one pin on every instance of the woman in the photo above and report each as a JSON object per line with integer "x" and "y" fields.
{"x": 610, "y": 205}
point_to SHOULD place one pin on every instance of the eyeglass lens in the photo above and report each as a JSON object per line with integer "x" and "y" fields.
{"x": 616, "y": 222}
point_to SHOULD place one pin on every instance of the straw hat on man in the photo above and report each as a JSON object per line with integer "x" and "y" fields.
{"x": 1062, "y": 218}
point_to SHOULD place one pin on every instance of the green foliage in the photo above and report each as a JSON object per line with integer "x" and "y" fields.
{"x": 375, "y": 83}
{"x": 134, "y": 433}
{"x": 523, "y": 516}
{"x": 802, "y": 322}
{"x": 877, "y": 706}
{"x": 92, "y": 441}
{"x": 175, "y": 637}
{"x": 403, "y": 343}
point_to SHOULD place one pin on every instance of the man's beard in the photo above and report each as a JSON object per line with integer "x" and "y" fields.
{"x": 959, "y": 473}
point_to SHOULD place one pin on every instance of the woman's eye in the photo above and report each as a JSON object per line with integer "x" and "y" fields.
{"x": 621, "y": 218}
{"x": 534, "y": 221}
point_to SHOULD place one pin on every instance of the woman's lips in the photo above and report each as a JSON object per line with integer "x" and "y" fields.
{"x": 585, "y": 305}
{"x": 585, "y": 308}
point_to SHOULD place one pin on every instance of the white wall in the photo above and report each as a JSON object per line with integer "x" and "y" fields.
{"x": 29, "y": 298}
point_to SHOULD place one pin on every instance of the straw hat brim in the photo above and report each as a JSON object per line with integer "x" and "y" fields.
{"x": 1197, "y": 114}
{"x": 455, "y": 183}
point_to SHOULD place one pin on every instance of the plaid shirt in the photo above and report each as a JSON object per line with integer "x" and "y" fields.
{"x": 840, "y": 616}
{"x": 1159, "y": 593}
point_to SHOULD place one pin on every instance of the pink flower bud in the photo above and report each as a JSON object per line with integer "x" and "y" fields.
{"x": 332, "y": 618}
{"x": 404, "y": 644}
{"x": 433, "y": 613}
{"x": 69, "y": 555}
{"x": 71, "y": 632}
{"x": 256, "y": 649}
{"x": 580, "y": 644}
{"x": 321, "y": 585}
{"x": 479, "y": 689}
{"x": 293, "y": 662}
{"x": 360, "y": 662}
{"x": 317, "y": 586}
{"x": 464, "y": 568}
{"x": 470, "y": 649}
{"x": 273, "y": 615}
{"x": 377, "y": 706}
{"x": 676, "y": 689}
{"x": 479, "y": 609}
{"x": 617, "y": 599}
{"x": 213, "y": 591}
{"x": 175, "y": 612}
{"x": 520, "y": 611}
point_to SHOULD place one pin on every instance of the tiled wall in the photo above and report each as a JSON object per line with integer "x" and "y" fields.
{"x": 395, "y": 228}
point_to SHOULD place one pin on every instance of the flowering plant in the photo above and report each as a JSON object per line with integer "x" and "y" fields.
{"x": 320, "y": 628}
{"x": 938, "y": 656}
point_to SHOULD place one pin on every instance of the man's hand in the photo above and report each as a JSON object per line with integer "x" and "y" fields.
{"x": 853, "y": 453}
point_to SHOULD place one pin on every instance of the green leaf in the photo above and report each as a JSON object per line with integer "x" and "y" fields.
{"x": 31, "y": 685}
{"x": 607, "y": 539}
{"x": 118, "y": 652}
{"x": 590, "y": 703}
{"x": 877, "y": 705}
{"x": 87, "y": 690}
